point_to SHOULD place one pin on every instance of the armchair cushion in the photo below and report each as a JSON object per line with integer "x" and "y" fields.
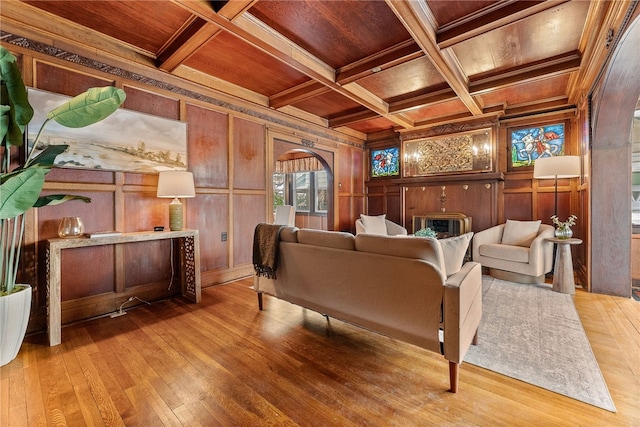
{"x": 454, "y": 250}
{"x": 520, "y": 233}
{"x": 505, "y": 252}
{"x": 375, "y": 224}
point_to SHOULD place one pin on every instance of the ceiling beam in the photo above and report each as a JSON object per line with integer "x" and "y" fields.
{"x": 301, "y": 92}
{"x": 420, "y": 98}
{"x": 261, "y": 36}
{"x": 194, "y": 34}
{"x": 494, "y": 17}
{"x": 351, "y": 118}
{"x": 560, "y": 64}
{"x": 419, "y": 21}
{"x": 388, "y": 58}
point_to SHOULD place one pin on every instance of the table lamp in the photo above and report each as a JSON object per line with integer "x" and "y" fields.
{"x": 556, "y": 167}
{"x": 174, "y": 184}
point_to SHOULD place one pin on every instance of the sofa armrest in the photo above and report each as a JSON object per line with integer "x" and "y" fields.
{"x": 394, "y": 229}
{"x": 462, "y": 310}
{"x": 491, "y": 235}
{"x": 542, "y": 250}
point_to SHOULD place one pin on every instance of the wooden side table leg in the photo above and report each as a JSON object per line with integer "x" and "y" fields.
{"x": 563, "y": 280}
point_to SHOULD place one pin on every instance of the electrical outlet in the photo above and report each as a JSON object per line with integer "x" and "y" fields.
{"x": 223, "y": 236}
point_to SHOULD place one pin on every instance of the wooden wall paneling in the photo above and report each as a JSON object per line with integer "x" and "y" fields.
{"x": 375, "y": 204}
{"x": 477, "y": 200}
{"x": 99, "y": 216}
{"x": 207, "y": 146}
{"x": 345, "y": 179}
{"x": 249, "y": 153}
{"x": 345, "y": 170}
{"x": 248, "y": 211}
{"x": 152, "y": 103}
{"x": 150, "y": 262}
{"x": 420, "y": 200}
{"x": 393, "y": 203}
{"x": 79, "y": 281}
{"x": 209, "y": 213}
{"x": 345, "y": 220}
{"x": 65, "y": 81}
{"x": 357, "y": 170}
{"x": 518, "y": 206}
{"x": 84, "y": 176}
{"x": 143, "y": 210}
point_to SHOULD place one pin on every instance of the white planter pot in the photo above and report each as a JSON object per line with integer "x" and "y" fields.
{"x": 14, "y": 317}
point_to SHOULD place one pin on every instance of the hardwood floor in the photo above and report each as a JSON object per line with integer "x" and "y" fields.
{"x": 223, "y": 363}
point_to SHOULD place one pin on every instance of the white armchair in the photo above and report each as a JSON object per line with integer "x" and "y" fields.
{"x": 516, "y": 251}
{"x": 285, "y": 215}
{"x": 379, "y": 225}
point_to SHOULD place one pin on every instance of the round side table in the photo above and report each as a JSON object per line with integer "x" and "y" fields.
{"x": 563, "y": 280}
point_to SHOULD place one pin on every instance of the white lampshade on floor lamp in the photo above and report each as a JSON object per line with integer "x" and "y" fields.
{"x": 556, "y": 167}
{"x": 175, "y": 184}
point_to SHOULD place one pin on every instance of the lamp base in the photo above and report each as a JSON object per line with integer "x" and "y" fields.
{"x": 175, "y": 215}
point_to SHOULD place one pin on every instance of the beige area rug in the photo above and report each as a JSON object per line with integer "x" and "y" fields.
{"x": 534, "y": 334}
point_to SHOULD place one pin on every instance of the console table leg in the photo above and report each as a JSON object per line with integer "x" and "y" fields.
{"x": 54, "y": 316}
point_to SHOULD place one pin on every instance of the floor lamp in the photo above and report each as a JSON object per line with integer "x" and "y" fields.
{"x": 556, "y": 167}
{"x": 174, "y": 184}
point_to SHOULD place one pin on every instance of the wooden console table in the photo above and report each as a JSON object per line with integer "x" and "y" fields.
{"x": 189, "y": 257}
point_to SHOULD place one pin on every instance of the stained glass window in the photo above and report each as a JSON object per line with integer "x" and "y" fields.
{"x": 532, "y": 143}
{"x": 385, "y": 162}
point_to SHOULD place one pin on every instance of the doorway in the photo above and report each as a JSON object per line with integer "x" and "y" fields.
{"x": 610, "y": 176}
{"x": 303, "y": 178}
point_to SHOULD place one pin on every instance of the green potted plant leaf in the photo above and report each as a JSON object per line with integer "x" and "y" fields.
{"x": 20, "y": 188}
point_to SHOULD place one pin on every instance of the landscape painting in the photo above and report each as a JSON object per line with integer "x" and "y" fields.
{"x": 125, "y": 141}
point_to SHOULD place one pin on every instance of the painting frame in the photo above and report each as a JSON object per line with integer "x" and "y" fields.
{"x": 463, "y": 152}
{"x": 384, "y": 162}
{"x": 528, "y": 143}
{"x": 126, "y": 141}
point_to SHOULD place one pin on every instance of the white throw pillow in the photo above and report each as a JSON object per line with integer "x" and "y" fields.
{"x": 453, "y": 251}
{"x": 520, "y": 233}
{"x": 374, "y": 224}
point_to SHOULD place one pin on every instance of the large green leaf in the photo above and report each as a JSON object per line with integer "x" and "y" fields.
{"x": 21, "y": 191}
{"x": 89, "y": 107}
{"x": 48, "y": 156}
{"x": 56, "y": 199}
{"x": 14, "y": 95}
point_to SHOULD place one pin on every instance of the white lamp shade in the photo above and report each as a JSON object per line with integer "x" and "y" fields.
{"x": 176, "y": 184}
{"x": 556, "y": 167}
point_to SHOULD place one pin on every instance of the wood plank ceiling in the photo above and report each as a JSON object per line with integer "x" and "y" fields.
{"x": 366, "y": 67}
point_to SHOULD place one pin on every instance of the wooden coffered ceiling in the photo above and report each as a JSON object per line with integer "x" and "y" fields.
{"x": 365, "y": 67}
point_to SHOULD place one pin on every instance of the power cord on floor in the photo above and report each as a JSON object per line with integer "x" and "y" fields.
{"x": 121, "y": 311}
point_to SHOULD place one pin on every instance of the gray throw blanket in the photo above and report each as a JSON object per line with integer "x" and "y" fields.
{"x": 266, "y": 240}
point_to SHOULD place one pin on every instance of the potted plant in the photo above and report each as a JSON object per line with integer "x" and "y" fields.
{"x": 20, "y": 188}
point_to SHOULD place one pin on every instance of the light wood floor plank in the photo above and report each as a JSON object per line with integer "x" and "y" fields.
{"x": 223, "y": 362}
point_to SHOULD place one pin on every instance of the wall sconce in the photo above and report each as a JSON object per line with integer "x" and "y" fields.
{"x": 174, "y": 184}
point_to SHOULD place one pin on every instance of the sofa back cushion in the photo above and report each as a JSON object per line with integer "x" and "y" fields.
{"x": 328, "y": 239}
{"x": 520, "y": 233}
{"x": 454, "y": 250}
{"x": 402, "y": 246}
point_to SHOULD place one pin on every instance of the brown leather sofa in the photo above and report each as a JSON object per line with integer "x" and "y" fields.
{"x": 393, "y": 285}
